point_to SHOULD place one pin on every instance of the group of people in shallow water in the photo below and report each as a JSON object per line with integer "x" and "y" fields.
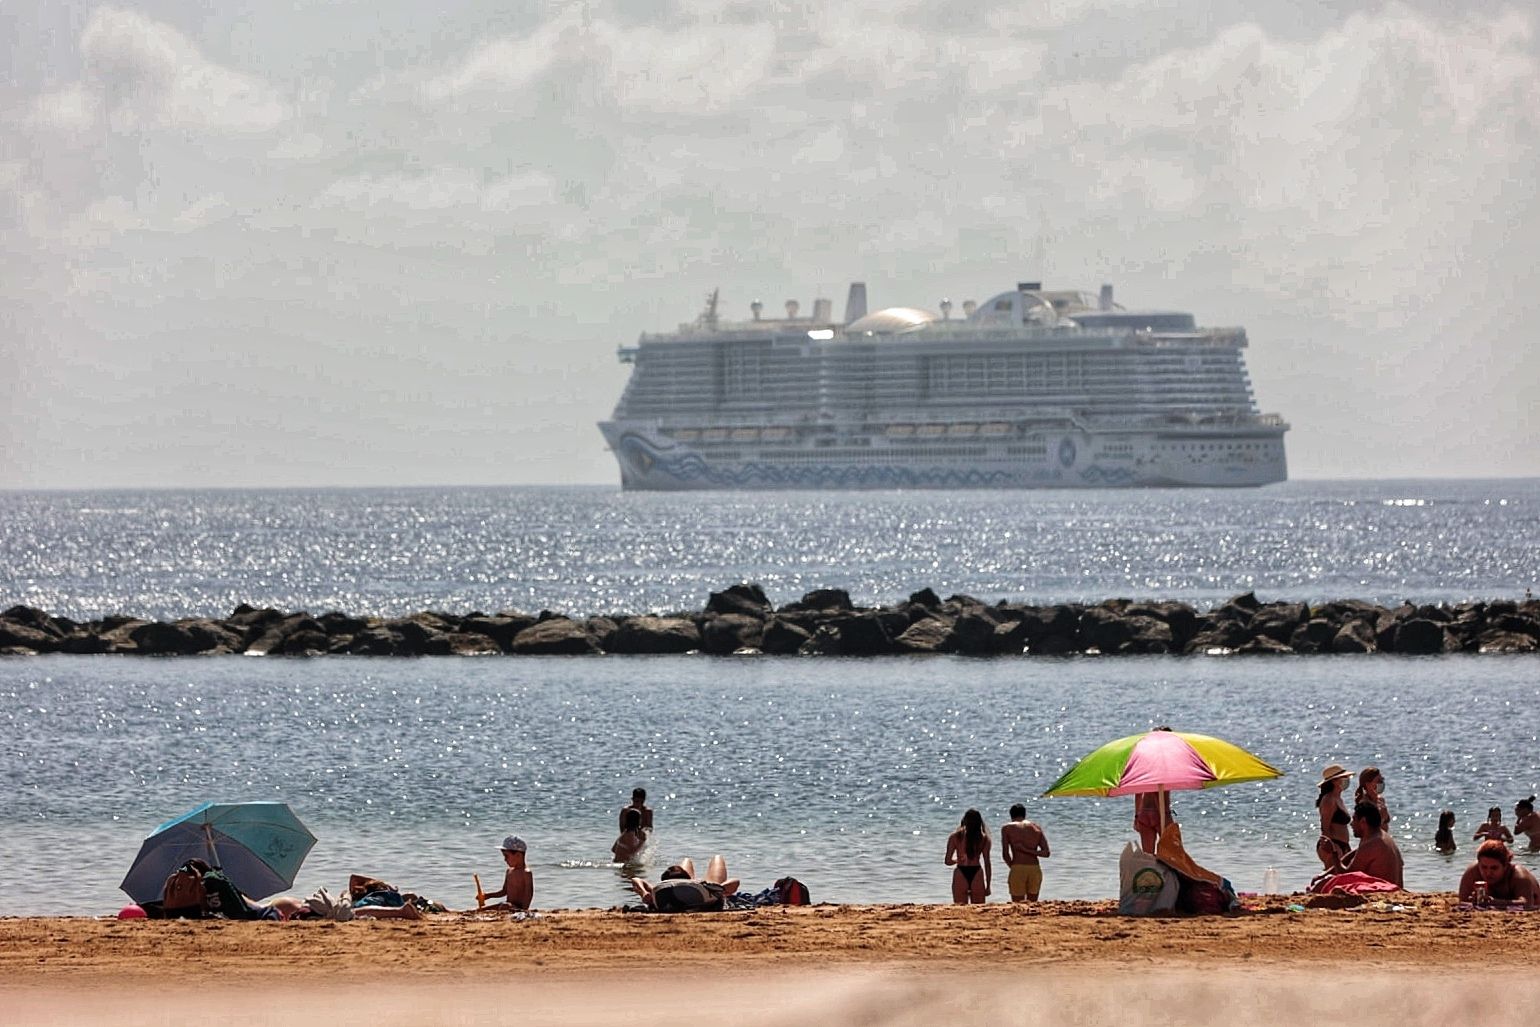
{"x": 1493, "y": 876}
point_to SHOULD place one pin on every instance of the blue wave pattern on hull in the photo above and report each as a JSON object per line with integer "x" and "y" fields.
{"x": 692, "y": 469}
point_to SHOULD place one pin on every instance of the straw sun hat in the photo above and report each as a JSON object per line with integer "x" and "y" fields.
{"x": 1333, "y": 772}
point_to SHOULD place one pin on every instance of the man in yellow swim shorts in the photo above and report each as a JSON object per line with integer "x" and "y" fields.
{"x": 1022, "y": 844}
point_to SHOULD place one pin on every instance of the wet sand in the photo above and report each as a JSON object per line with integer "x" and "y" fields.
{"x": 1055, "y": 962}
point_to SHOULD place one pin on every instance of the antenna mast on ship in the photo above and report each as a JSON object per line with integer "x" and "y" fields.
{"x": 708, "y": 317}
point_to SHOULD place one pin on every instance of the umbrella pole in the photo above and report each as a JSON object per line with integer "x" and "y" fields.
{"x": 1162, "y": 804}
{"x": 208, "y": 841}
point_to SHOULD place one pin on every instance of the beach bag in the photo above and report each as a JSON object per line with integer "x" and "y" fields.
{"x": 184, "y": 894}
{"x": 1146, "y": 885}
{"x": 1202, "y": 898}
{"x": 686, "y": 896}
{"x": 792, "y": 892}
{"x": 224, "y": 899}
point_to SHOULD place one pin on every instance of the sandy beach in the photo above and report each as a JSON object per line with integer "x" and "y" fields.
{"x": 1410, "y": 957}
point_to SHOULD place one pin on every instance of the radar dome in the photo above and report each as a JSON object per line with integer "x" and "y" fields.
{"x": 892, "y": 321}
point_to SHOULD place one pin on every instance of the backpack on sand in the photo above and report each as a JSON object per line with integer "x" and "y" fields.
{"x": 793, "y": 892}
{"x": 184, "y": 894}
{"x": 224, "y": 899}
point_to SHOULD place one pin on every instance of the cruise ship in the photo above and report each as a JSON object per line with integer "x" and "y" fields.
{"x": 1032, "y": 388}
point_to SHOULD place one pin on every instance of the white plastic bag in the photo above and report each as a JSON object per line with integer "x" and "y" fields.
{"x": 1146, "y": 884}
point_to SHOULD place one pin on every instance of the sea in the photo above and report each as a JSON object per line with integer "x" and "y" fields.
{"x": 846, "y": 774}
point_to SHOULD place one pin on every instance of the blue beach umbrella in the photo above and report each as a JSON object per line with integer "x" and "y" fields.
{"x": 258, "y": 845}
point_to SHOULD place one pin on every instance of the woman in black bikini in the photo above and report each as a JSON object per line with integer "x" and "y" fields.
{"x": 967, "y": 849}
{"x": 1335, "y": 841}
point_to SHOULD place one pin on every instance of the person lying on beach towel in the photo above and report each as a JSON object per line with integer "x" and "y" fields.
{"x": 679, "y": 892}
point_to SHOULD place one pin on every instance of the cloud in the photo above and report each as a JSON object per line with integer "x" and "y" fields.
{"x": 142, "y": 74}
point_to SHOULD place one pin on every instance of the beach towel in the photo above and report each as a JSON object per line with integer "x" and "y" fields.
{"x": 1170, "y": 851}
{"x": 1351, "y": 883}
{"x": 324, "y": 905}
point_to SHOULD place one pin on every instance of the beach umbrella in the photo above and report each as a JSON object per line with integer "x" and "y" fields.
{"x": 258, "y": 845}
{"x": 1161, "y": 760}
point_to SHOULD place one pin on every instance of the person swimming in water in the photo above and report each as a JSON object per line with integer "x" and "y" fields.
{"x": 1443, "y": 838}
{"x": 967, "y": 850}
{"x": 1493, "y": 828}
{"x": 631, "y": 840}
{"x": 1527, "y": 822}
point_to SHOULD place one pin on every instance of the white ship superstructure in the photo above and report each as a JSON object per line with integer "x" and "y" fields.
{"x": 1030, "y": 389}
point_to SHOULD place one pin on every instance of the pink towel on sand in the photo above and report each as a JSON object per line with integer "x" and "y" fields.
{"x": 1353, "y": 883}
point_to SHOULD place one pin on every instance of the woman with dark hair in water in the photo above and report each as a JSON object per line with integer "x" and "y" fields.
{"x": 1527, "y": 822}
{"x": 967, "y": 849}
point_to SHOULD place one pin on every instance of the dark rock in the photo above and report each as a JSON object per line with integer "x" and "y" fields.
{"x": 1246, "y": 601}
{"x": 335, "y": 623}
{"x": 1419, "y": 637}
{"x": 501, "y": 628}
{"x": 463, "y": 643}
{"x": 925, "y": 597}
{"x": 825, "y": 599}
{"x": 213, "y": 635}
{"x": 1112, "y": 632}
{"x": 1356, "y": 636}
{"x": 271, "y": 638}
{"x": 747, "y": 600}
{"x": 303, "y": 642}
{"x": 84, "y": 643}
{"x": 1053, "y": 645}
{"x": 654, "y": 635}
{"x": 1313, "y": 636}
{"x": 783, "y": 636}
{"x": 1179, "y": 617}
{"x": 1263, "y": 645}
{"x": 725, "y": 634}
{"x": 973, "y": 634}
{"x": 1436, "y": 614}
{"x": 601, "y": 630}
{"x": 556, "y": 636}
{"x": 857, "y": 634}
{"x": 18, "y": 635}
{"x": 376, "y": 641}
{"x": 931, "y": 635}
{"x": 56, "y": 627}
{"x": 258, "y": 621}
{"x": 1278, "y": 621}
{"x": 1507, "y": 642}
{"x": 160, "y": 639}
{"x": 1516, "y": 624}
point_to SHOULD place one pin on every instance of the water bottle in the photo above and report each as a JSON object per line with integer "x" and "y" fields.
{"x": 1270, "y": 881}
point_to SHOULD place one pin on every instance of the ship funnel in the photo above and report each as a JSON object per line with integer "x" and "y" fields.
{"x": 969, "y": 306}
{"x": 855, "y": 303}
{"x": 946, "y": 310}
{"x": 1029, "y": 286}
{"x": 1105, "y": 303}
{"x": 823, "y": 311}
{"x": 791, "y": 310}
{"x": 756, "y": 307}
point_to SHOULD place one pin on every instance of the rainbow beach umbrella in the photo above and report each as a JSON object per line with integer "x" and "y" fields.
{"x": 1161, "y": 761}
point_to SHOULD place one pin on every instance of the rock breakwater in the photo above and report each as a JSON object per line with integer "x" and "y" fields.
{"x": 740, "y": 619}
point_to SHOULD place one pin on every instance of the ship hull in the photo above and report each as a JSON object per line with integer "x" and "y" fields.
{"x": 1184, "y": 458}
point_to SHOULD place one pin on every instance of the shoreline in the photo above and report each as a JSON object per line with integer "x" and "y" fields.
{"x": 1423, "y": 930}
{"x": 741, "y": 621}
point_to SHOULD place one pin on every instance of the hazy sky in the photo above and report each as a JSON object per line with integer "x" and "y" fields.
{"x": 323, "y": 242}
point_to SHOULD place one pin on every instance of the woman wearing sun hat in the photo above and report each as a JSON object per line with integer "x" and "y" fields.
{"x": 1335, "y": 841}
